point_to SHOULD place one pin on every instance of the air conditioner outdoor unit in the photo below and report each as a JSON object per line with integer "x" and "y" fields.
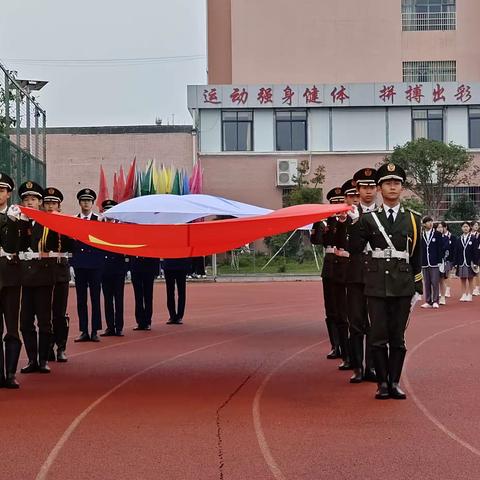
{"x": 286, "y": 172}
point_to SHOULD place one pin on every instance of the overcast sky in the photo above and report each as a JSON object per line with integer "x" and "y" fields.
{"x": 107, "y": 92}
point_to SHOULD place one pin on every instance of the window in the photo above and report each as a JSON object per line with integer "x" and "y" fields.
{"x": 291, "y": 130}
{"x": 474, "y": 127}
{"x": 428, "y": 15}
{"x": 237, "y": 130}
{"x": 454, "y": 194}
{"x": 428, "y": 123}
{"x": 436, "y": 71}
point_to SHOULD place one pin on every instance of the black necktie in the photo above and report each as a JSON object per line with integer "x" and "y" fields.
{"x": 390, "y": 218}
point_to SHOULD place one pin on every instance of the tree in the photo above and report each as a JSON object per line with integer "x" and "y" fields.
{"x": 462, "y": 209}
{"x": 302, "y": 193}
{"x": 432, "y": 167}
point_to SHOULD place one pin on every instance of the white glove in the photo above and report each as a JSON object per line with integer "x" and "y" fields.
{"x": 354, "y": 214}
{"x": 14, "y": 212}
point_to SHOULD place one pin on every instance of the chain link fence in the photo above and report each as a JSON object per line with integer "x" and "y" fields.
{"x": 22, "y": 130}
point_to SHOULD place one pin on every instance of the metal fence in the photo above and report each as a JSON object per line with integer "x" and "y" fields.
{"x": 23, "y": 141}
{"x": 412, "y": 21}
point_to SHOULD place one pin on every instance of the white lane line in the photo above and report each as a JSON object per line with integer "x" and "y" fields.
{"x": 421, "y": 406}
{"x": 257, "y": 422}
{"x": 52, "y": 456}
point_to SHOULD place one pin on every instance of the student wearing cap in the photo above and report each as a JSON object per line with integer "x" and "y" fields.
{"x": 10, "y": 288}
{"x": 113, "y": 286}
{"x": 393, "y": 275}
{"x": 432, "y": 256}
{"x": 323, "y": 233}
{"x": 38, "y": 279}
{"x": 87, "y": 263}
{"x": 359, "y": 325}
{"x": 60, "y": 320}
{"x": 341, "y": 265}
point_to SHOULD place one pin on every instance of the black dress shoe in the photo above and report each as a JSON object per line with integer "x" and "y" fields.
{"x": 383, "y": 392}
{"x": 147, "y": 328}
{"x": 345, "y": 365}
{"x": 61, "y": 357}
{"x": 119, "y": 333}
{"x": 370, "y": 375}
{"x": 357, "y": 376}
{"x": 94, "y": 337}
{"x": 333, "y": 354}
{"x": 84, "y": 337}
{"x": 139, "y": 327}
{"x": 107, "y": 333}
{"x": 396, "y": 392}
{"x": 173, "y": 321}
{"x": 31, "y": 367}
{"x": 44, "y": 368}
{"x": 11, "y": 382}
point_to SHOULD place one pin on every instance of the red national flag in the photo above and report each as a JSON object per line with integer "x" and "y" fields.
{"x": 102, "y": 189}
{"x": 129, "y": 191}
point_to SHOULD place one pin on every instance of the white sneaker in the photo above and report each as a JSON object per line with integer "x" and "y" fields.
{"x": 468, "y": 298}
{"x": 447, "y": 292}
{"x": 426, "y": 305}
{"x": 463, "y": 298}
{"x": 476, "y": 292}
{"x": 442, "y": 301}
{"x": 435, "y": 305}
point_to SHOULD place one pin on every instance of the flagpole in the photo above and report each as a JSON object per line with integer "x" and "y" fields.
{"x": 279, "y": 250}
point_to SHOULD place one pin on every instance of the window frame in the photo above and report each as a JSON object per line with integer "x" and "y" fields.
{"x": 237, "y": 121}
{"x": 427, "y": 109}
{"x": 291, "y": 121}
{"x": 470, "y": 118}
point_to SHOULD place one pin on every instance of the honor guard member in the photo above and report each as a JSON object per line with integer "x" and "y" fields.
{"x": 341, "y": 266}
{"x": 323, "y": 233}
{"x": 9, "y": 288}
{"x": 144, "y": 271}
{"x": 60, "y": 319}
{"x": 393, "y": 275}
{"x": 87, "y": 263}
{"x": 113, "y": 286}
{"x": 38, "y": 279}
{"x": 358, "y": 322}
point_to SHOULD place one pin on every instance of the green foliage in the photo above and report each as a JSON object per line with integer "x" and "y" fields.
{"x": 432, "y": 167}
{"x": 415, "y": 204}
{"x": 462, "y": 209}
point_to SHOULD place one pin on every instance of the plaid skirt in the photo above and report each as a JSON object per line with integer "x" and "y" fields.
{"x": 465, "y": 271}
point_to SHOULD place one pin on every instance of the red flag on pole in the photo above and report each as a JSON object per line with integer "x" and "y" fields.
{"x": 121, "y": 184}
{"x": 116, "y": 194}
{"x": 129, "y": 191}
{"x": 102, "y": 189}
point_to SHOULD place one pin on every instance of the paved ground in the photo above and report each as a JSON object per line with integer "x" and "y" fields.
{"x": 243, "y": 391}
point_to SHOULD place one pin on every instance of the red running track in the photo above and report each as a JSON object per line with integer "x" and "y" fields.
{"x": 243, "y": 391}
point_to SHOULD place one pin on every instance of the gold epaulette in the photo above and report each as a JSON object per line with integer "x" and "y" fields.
{"x": 413, "y": 211}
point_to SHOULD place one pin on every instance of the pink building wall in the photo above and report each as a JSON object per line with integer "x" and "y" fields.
{"x": 74, "y": 159}
{"x": 325, "y": 41}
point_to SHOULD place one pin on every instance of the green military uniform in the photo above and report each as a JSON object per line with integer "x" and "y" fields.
{"x": 392, "y": 276}
{"x": 358, "y": 321}
{"x": 323, "y": 233}
{"x": 60, "y": 319}
{"x": 10, "y": 291}
{"x": 38, "y": 279}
